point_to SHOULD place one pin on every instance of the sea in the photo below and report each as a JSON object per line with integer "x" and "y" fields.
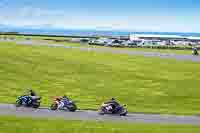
{"x": 88, "y": 32}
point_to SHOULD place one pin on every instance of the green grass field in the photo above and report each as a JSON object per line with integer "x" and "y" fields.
{"x": 28, "y": 125}
{"x": 145, "y": 84}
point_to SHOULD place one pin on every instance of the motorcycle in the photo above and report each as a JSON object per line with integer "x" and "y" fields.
{"x": 28, "y": 101}
{"x": 66, "y": 105}
{"x": 108, "y": 109}
{"x": 195, "y": 53}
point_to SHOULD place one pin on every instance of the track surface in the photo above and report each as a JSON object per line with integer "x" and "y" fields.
{"x": 115, "y": 51}
{"x": 9, "y": 109}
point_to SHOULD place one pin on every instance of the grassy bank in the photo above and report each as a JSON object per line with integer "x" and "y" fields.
{"x": 144, "y": 84}
{"x": 24, "y": 125}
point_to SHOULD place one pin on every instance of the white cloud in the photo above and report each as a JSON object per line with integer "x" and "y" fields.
{"x": 37, "y": 17}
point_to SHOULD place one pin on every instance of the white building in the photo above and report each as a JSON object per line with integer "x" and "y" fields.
{"x": 166, "y": 39}
{"x": 155, "y": 37}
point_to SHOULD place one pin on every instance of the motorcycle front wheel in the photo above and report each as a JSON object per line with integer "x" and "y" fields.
{"x": 18, "y": 103}
{"x": 54, "y": 107}
{"x": 36, "y": 105}
{"x": 72, "y": 108}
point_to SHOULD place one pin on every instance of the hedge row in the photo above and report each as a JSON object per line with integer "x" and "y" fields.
{"x": 157, "y": 47}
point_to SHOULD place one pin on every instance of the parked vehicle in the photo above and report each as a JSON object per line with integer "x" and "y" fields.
{"x": 130, "y": 43}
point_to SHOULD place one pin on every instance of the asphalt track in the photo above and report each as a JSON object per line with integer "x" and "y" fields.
{"x": 9, "y": 109}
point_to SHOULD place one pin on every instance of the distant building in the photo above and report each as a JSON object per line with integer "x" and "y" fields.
{"x": 165, "y": 39}
{"x": 194, "y": 39}
{"x": 155, "y": 37}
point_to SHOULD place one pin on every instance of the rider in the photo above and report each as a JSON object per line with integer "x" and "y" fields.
{"x": 113, "y": 103}
{"x": 195, "y": 50}
{"x": 65, "y": 99}
{"x": 31, "y": 94}
{"x": 61, "y": 101}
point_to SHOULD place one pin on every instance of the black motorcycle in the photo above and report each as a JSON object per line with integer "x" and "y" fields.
{"x": 28, "y": 101}
{"x": 108, "y": 109}
{"x": 195, "y": 51}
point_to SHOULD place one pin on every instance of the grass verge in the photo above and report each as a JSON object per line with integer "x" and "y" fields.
{"x": 24, "y": 125}
{"x": 145, "y": 84}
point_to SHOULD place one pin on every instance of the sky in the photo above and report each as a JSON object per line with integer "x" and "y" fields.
{"x": 133, "y": 15}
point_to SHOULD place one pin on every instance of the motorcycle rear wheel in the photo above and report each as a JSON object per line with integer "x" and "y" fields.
{"x": 36, "y": 105}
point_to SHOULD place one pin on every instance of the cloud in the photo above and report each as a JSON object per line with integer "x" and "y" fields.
{"x": 43, "y": 17}
{"x": 38, "y": 12}
{"x": 29, "y": 16}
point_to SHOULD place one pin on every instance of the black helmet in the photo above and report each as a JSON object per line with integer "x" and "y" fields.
{"x": 58, "y": 99}
{"x": 29, "y": 90}
{"x": 64, "y": 96}
{"x": 112, "y": 98}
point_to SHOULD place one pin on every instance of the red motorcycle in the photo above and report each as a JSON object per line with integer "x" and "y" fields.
{"x": 63, "y": 104}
